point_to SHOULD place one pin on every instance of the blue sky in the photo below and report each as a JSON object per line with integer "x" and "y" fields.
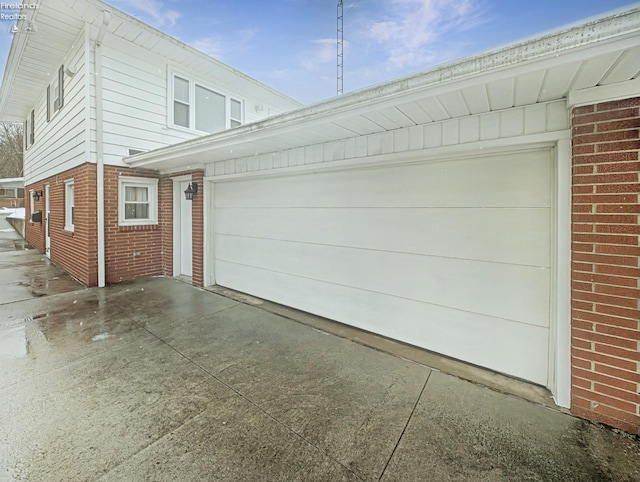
{"x": 291, "y": 44}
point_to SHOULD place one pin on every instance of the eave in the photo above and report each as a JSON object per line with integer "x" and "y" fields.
{"x": 600, "y": 52}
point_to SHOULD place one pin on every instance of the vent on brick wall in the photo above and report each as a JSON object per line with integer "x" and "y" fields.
{"x": 133, "y": 152}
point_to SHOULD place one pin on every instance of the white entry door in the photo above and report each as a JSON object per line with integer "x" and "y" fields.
{"x": 47, "y": 224}
{"x": 453, "y": 256}
{"x": 185, "y": 251}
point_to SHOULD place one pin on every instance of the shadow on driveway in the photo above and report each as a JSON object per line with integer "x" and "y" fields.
{"x": 157, "y": 380}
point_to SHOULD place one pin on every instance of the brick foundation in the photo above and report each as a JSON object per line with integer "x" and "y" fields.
{"x": 605, "y": 272}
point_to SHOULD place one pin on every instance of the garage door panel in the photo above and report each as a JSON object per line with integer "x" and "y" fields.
{"x": 494, "y": 289}
{"x": 452, "y": 256}
{"x": 484, "y": 182}
{"x": 490, "y": 234}
{"x": 513, "y": 348}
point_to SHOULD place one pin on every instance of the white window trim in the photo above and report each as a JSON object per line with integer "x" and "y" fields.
{"x": 192, "y": 111}
{"x": 68, "y": 223}
{"x": 130, "y": 181}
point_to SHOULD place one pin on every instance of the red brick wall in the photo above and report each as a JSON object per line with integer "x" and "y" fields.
{"x": 121, "y": 242}
{"x": 34, "y": 232}
{"x": 72, "y": 251}
{"x": 166, "y": 224}
{"x": 76, "y": 252}
{"x": 165, "y": 218}
{"x": 198, "y": 229}
{"x": 11, "y": 202}
{"x": 605, "y": 271}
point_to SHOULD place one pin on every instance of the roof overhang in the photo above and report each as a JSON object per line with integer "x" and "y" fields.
{"x": 52, "y": 27}
{"x": 12, "y": 182}
{"x": 602, "y": 52}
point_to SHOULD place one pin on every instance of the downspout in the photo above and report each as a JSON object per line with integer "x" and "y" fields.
{"x": 97, "y": 64}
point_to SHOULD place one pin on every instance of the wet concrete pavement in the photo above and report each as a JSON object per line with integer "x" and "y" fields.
{"x": 157, "y": 380}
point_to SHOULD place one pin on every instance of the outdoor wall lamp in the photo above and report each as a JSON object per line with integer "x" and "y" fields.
{"x": 191, "y": 191}
{"x": 37, "y": 195}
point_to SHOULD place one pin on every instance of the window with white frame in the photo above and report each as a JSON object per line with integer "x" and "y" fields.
{"x": 235, "y": 112}
{"x": 137, "y": 201}
{"x": 69, "y": 205}
{"x": 11, "y": 192}
{"x": 201, "y": 108}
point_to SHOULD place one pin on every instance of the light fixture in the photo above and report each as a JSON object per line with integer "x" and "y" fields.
{"x": 191, "y": 191}
{"x": 37, "y": 195}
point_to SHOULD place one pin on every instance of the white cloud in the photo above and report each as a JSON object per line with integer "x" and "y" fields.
{"x": 211, "y": 46}
{"x": 323, "y": 52}
{"x": 412, "y": 29}
{"x": 158, "y": 15}
{"x": 220, "y": 47}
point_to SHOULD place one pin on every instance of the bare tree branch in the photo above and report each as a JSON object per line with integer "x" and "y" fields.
{"x": 11, "y": 144}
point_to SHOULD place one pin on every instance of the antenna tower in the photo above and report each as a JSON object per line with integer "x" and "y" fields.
{"x": 340, "y": 66}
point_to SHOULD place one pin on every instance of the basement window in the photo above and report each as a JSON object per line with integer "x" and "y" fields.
{"x": 138, "y": 201}
{"x": 69, "y": 205}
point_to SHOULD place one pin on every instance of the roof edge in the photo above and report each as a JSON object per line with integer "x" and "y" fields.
{"x": 612, "y": 25}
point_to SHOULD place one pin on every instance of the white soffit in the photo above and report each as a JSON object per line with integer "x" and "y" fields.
{"x": 601, "y": 52}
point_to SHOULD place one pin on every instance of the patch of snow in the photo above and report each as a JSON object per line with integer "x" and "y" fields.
{"x": 14, "y": 213}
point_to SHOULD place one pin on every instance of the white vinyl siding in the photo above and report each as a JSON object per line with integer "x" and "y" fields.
{"x": 60, "y": 143}
{"x": 452, "y": 256}
{"x": 138, "y": 100}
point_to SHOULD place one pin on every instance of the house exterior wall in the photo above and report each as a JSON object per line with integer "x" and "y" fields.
{"x": 11, "y": 202}
{"x": 135, "y": 110}
{"x": 130, "y": 251}
{"x": 136, "y": 100}
{"x": 605, "y": 263}
{"x": 61, "y": 143}
{"x": 73, "y": 251}
{"x": 198, "y": 229}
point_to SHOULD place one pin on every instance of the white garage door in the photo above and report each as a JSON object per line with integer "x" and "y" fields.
{"x": 451, "y": 256}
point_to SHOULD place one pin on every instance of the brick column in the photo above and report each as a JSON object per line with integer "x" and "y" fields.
{"x": 165, "y": 219}
{"x": 605, "y": 271}
{"x": 198, "y": 230}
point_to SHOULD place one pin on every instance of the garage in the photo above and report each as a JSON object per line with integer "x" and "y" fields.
{"x": 453, "y": 254}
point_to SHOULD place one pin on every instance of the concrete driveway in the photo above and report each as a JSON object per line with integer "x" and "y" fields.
{"x": 157, "y": 380}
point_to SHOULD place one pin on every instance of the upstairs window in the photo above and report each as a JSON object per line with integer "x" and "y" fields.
{"x": 55, "y": 94}
{"x": 236, "y": 112}
{"x": 198, "y": 107}
{"x": 181, "y": 102}
{"x": 29, "y": 130}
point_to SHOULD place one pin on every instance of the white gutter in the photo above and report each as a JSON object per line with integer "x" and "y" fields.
{"x": 106, "y": 17}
